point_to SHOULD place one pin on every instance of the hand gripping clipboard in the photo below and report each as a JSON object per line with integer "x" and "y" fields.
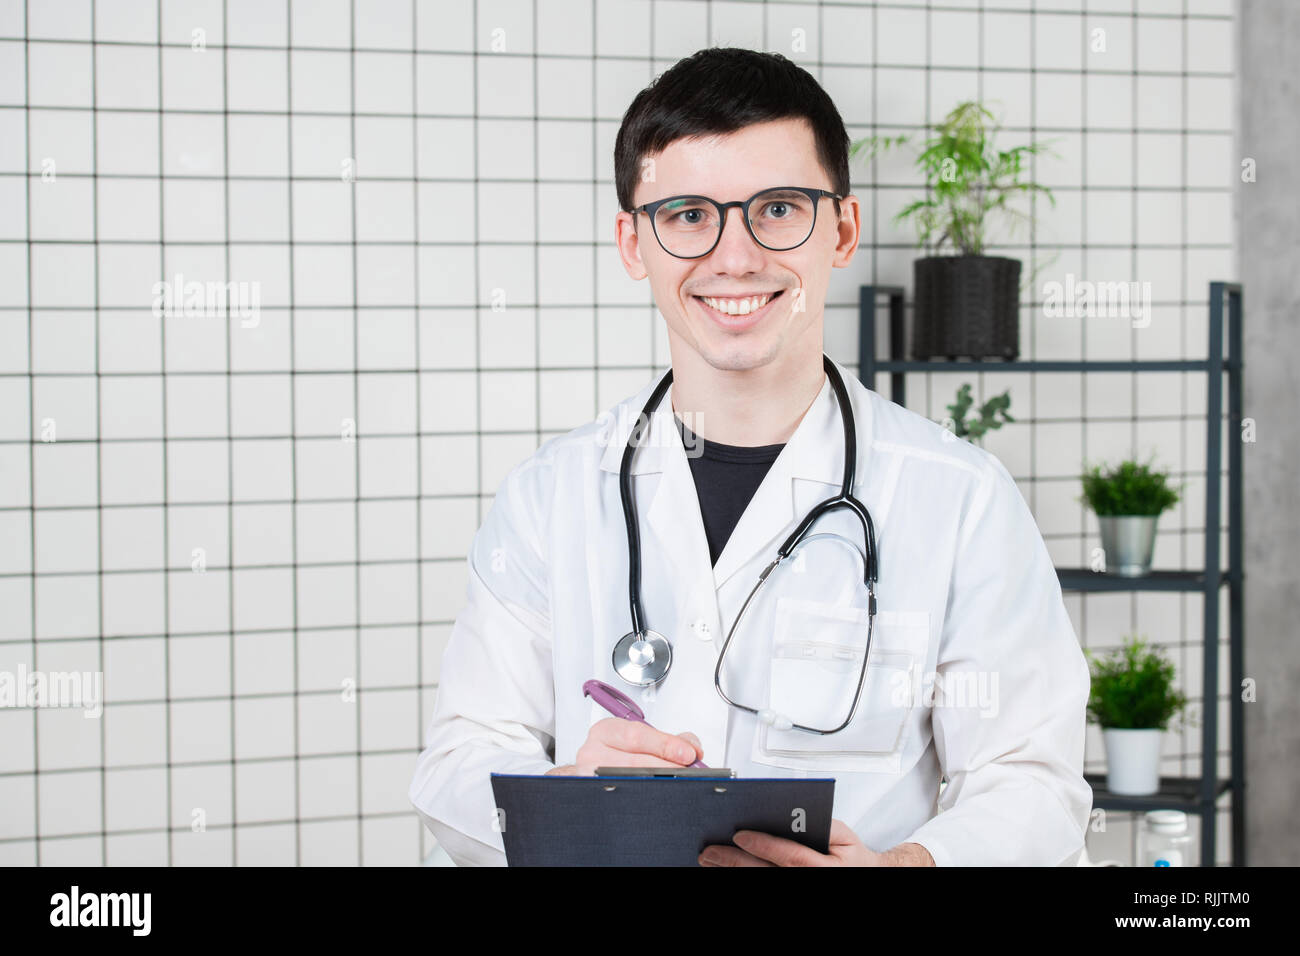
{"x": 651, "y": 821}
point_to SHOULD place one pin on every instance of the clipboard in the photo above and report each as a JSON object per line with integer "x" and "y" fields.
{"x": 651, "y": 821}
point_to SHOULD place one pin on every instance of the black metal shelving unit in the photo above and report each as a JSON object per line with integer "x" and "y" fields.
{"x": 1192, "y": 794}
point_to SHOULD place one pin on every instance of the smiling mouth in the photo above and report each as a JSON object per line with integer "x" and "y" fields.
{"x": 739, "y": 306}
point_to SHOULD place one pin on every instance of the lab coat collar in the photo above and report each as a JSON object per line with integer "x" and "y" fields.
{"x": 815, "y": 453}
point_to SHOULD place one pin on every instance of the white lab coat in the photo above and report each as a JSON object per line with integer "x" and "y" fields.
{"x": 966, "y": 588}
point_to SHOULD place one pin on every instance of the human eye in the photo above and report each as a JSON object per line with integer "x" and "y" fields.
{"x": 784, "y": 205}
{"x": 685, "y": 212}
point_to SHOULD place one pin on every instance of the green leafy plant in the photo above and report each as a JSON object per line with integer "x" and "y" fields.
{"x": 988, "y": 414}
{"x": 1133, "y": 689}
{"x": 1128, "y": 489}
{"x": 968, "y": 179}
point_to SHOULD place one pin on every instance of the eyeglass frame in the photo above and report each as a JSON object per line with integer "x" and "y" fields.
{"x": 814, "y": 195}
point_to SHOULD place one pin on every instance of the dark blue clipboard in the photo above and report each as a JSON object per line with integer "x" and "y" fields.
{"x": 651, "y": 821}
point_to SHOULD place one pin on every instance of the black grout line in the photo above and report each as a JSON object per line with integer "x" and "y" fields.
{"x": 467, "y": 51}
{"x": 928, "y": 126}
{"x": 478, "y": 281}
{"x": 1182, "y": 396}
{"x": 163, "y": 363}
{"x": 1032, "y": 322}
{"x": 230, "y": 428}
{"x": 356, "y": 413}
{"x": 1085, "y": 246}
{"x": 170, "y": 830}
{"x": 31, "y": 452}
{"x": 1133, "y": 254}
{"x": 293, "y": 459}
{"x": 132, "y": 572}
{"x": 537, "y": 238}
{"x": 465, "y": 307}
{"x": 525, "y": 180}
{"x": 872, "y": 131}
{"x": 552, "y": 244}
{"x": 99, "y": 465}
{"x": 959, "y": 368}
{"x": 979, "y": 96}
{"x": 658, "y": 361}
{"x": 419, "y": 424}
{"x": 1133, "y": 201}
{"x": 596, "y": 402}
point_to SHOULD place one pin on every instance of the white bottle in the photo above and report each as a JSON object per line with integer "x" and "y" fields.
{"x": 1163, "y": 839}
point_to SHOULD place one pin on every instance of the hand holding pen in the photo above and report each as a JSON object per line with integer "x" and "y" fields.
{"x": 626, "y": 740}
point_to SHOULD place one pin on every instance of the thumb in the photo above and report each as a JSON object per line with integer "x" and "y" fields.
{"x": 694, "y": 742}
{"x": 842, "y": 833}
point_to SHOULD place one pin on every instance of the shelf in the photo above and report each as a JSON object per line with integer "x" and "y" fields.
{"x": 1223, "y": 358}
{"x": 1175, "y": 793}
{"x": 1085, "y": 579}
{"x": 1015, "y": 365}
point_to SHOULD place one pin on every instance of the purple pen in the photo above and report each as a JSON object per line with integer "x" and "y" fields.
{"x": 618, "y": 704}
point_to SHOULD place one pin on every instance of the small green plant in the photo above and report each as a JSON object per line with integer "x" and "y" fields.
{"x": 1127, "y": 489}
{"x": 988, "y": 414}
{"x": 1134, "y": 689}
{"x": 968, "y": 179}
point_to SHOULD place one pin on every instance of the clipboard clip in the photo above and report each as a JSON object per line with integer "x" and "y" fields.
{"x": 679, "y": 773}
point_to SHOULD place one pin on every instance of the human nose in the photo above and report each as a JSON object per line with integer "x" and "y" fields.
{"x": 736, "y": 250}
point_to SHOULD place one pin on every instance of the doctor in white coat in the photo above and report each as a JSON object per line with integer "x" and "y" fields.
{"x": 968, "y": 597}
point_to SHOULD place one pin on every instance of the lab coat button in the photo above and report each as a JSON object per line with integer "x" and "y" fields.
{"x": 701, "y": 627}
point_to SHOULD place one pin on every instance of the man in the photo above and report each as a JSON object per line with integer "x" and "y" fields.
{"x": 967, "y": 594}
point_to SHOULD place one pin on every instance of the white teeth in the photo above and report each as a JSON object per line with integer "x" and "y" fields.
{"x": 738, "y": 306}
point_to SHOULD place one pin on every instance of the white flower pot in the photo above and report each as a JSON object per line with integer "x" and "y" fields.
{"x": 1132, "y": 761}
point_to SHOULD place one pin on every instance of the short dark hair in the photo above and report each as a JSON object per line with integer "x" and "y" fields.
{"x": 721, "y": 90}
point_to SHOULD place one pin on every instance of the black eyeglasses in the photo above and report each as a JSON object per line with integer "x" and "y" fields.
{"x": 779, "y": 219}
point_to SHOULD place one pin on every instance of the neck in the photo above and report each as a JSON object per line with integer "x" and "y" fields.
{"x": 747, "y": 408}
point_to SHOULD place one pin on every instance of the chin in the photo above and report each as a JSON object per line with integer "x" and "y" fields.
{"x": 740, "y": 355}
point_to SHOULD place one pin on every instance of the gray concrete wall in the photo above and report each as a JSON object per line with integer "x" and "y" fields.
{"x": 1268, "y": 242}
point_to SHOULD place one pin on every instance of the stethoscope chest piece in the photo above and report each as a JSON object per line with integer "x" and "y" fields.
{"x": 642, "y": 659}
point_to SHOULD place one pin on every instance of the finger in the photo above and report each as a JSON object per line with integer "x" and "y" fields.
{"x": 729, "y": 856}
{"x": 780, "y": 851}
{"x": 625, "y": 758}
{"x": 635, "y": 737}
{"x": 841, "y": 832}
{"x": 695, "y": 742}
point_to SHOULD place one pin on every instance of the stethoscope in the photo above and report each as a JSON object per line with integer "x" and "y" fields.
{"x": 642, "y": 657}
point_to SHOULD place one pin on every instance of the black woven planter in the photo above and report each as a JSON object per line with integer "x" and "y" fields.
{"x": 966, "y": 307}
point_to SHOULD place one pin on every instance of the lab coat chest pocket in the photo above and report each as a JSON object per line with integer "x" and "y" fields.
{"x": 815, "y": 667}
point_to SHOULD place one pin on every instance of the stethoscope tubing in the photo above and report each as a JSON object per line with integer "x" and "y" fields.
{"x": 844, "y": 499}
{"x": 625, "y": 493}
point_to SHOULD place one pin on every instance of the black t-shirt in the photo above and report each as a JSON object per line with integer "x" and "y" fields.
{"x": 726, "y": 477}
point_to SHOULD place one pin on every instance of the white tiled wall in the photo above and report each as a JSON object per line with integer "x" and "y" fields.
{"x": 283, "y": 690}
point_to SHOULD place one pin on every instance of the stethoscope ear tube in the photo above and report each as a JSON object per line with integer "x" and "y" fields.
{"x": 629, "y": 511}
{"x": 845, "y": 498}
{"x": 871, "y": 570}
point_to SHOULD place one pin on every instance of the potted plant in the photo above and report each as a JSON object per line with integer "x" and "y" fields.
{"x": 1133, "y": 699}
{"x": 977, "y": 428}
{"x": 966, "y": 305}
{"x": 1128, "y": 500}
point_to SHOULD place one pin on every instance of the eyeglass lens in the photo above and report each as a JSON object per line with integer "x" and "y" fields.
{"x": 780, "y": 219}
